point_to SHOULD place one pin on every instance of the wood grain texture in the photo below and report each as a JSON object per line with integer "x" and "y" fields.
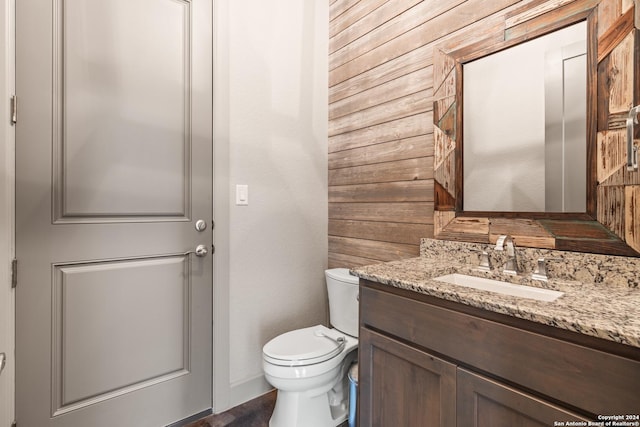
{"x": 409, "y": 234}
{"x": 337, "y": 260}
{"x": 466, "y": 229}
{"x": 353, "y": 24}
{"x": 555, "y": 19}
{"x": 609, "y": 87}
{"x": 414, "y": 213}
{"x": 431, "y": 30}
{"x": 621, "y": 75}
{"x": 619, "y": 28}
{"x": 404, "y": 191}
{"x": 423, "y": 387}
{"x": 528, "y": 12}
{"x": 412, "y": 83}
{"x": 401, "y": 149}
{"x": 525, "y": 232}
{"x": 406, "y": 127}
{"x": 443, "y": 198}
{"x": 608, "y": 13}
{"x": 396, "y": 68}
{"x": 481, "y": 401}
{"x": 606, "y": 382}
{"x": 612, "y": 155}
{"x": 391, "y": 28}
{"x": 387, "y": 59}
{"x": 610, "y": 203}
{"x": 401, "y": 170}
{"x": 337, "y": 8}
{"x": 384, "y": 251}
{"x": 632, "y": 216}
{"x": 445, "y": 96}
{"x": 443, "y": 65}
{"x": 445, "y": 173}
{"x": 415, "y": 103}
{"x": 441, "y": 220}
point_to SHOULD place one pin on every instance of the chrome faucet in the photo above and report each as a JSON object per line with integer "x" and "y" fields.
{"x": 511, "y": 266}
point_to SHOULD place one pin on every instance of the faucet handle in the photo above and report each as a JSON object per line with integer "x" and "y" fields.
{"x": 485, "y": 262}
{"x": 500, "y": 242}
{"x": 540, "y": 273}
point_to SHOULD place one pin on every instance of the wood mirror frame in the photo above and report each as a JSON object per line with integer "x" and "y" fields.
{"x": 611, "y": 224}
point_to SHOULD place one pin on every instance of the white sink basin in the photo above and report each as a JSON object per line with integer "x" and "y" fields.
{"x": 499, "y": 287}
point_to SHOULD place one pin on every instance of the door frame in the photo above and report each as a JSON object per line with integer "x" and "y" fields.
{"x": 7, "y": 211}
{"x": 221, "y": 210}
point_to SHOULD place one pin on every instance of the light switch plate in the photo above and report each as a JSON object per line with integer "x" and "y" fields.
{"x": 242, "y": 195}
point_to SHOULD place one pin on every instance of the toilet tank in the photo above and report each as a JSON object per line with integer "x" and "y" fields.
{"x": 343, "y": 290}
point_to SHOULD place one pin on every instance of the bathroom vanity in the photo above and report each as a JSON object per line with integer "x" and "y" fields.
{"x": 434, "y": 354}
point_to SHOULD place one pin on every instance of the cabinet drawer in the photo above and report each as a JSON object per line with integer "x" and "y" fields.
{"x": 585, "y": 378}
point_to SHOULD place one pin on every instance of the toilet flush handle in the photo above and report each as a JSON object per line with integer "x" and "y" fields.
{"x": 340, "y": 341}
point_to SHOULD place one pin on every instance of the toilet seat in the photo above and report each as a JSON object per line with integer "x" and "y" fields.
{"x": 303, "y": 347}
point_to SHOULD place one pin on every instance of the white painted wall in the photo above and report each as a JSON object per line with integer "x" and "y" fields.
{"x": 6, "y": 213}
{"x": 270, "y": 133}
{"x": 270, "y": 120}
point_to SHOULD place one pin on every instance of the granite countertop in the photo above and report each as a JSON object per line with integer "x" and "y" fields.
{"x": 607, "y": 307}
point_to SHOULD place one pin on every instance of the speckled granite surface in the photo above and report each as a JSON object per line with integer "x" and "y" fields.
{"x": 601, "y": 294}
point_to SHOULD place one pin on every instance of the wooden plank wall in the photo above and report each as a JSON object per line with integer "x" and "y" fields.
{"x": 381, "y": 121}
{"x": 380, "y": 130}
{"x": 381, "y": 133}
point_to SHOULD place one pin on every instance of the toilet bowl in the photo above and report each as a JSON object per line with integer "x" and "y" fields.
{"x": 309, "y": 366}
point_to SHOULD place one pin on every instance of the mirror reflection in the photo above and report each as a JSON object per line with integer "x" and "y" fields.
{"x": 524, "y": 126}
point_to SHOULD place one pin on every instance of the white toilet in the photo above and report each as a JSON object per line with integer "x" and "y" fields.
{"x": 309, "y": 366}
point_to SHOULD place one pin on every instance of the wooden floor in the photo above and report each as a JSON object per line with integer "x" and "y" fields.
{"x": 254, "y": 413}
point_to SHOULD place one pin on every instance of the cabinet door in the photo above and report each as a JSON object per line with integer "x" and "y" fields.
{"x": 485, "y": 403}
{"x": 403, "y": 386}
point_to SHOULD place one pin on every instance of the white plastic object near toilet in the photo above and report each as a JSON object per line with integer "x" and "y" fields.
{"x": 309, "y": 366}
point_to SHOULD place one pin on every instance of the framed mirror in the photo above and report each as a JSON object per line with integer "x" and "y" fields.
{"x": 524, "y": 117}
{"x": 582, "y": 200}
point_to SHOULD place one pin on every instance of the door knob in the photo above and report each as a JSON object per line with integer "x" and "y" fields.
{"x": 201, "y": 225}
{"x": 200, "y": 251}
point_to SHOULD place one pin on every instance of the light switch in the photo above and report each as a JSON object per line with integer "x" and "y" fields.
{"x": 242, "y": 195}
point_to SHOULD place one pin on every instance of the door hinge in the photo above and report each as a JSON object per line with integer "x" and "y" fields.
{"x": 14, "y": 273}
{"x": 213, "y": 249}
{"x": 14, "y": 109}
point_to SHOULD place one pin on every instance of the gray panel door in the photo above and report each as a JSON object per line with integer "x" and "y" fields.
{"x": 114, "y": 150}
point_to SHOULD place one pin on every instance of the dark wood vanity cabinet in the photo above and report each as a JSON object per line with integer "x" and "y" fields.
{"x": 404, "y": 386}
{"x": 429, "y": 362}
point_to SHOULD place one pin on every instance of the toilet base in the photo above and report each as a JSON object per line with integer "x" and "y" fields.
{"x": 301, "y": 409}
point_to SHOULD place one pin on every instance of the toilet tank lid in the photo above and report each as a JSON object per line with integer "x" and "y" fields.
{"x": 343, "y": 275}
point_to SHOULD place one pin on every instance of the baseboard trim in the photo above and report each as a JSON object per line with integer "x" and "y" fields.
{"x": 191, "y": 419}
{"x": 244, "y": 391}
